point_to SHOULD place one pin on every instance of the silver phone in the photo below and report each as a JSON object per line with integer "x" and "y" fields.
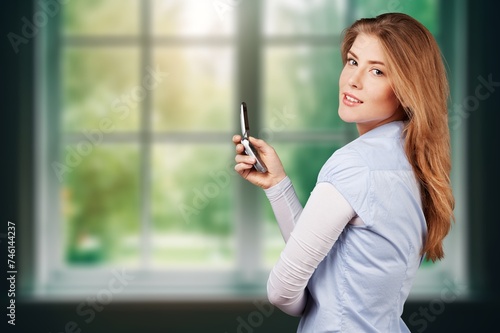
{"x": 249, "y": 148}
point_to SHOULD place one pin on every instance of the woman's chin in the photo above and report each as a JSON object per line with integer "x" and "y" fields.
{"x": 346, "y": 116}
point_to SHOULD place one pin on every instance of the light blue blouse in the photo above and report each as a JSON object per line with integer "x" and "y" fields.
{"x": 363, "y": 282}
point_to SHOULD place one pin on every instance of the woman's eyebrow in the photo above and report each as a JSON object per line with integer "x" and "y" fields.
{"x": 371, "y": 62}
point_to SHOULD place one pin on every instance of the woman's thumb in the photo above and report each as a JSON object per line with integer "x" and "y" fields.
{"x": 258, "y": 143}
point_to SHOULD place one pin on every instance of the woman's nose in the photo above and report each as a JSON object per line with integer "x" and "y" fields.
{"x": 354, "y": 80}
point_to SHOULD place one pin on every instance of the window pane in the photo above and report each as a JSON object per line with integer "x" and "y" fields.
{"x": 194, "y": 17}
{"x": 192, "y": 206}
{"x": 299, "y": 17}
{"x": 198, "y": 92}
{"x": 302, "y": 81}
{"x": 101, "y": 85}
{"x": 100, "y": 17}
{"x": 302, "y": 163}
{"x": 100, "y": 204}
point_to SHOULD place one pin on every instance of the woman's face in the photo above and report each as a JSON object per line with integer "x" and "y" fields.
{"x": 365, "y": 95}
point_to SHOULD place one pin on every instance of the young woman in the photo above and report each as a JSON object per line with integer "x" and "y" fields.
{"x": 381, "y": 203}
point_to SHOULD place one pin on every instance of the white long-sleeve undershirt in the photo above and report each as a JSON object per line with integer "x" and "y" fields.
{"x": 309, "y": 234}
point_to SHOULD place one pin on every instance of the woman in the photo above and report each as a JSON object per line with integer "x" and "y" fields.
{"x": 381, "y": 203}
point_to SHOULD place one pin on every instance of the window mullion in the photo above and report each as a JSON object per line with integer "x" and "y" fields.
{"x": 145, "y": 139}
{"x": 248, "y": 78}
{"x": 50, "y": 244}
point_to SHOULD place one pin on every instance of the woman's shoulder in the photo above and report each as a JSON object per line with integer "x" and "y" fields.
{"x": 345, "y": 163}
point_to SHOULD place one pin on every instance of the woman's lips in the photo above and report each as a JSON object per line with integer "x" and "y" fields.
{"x": 350, "y": 100}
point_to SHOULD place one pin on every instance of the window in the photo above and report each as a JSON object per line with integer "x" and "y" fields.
{"x": 138, "y": 102}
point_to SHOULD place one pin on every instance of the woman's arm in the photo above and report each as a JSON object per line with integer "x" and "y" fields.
{"x": 319, "y": 226}
{"x": 286, "y": 206}
{"x": 275, "y": 183}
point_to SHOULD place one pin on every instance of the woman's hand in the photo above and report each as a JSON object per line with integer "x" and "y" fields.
{"x": 244, "y": 163}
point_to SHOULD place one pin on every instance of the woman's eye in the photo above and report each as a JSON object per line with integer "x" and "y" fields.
{"x": 377, "y": 72}
{"x": 352, "y": 62}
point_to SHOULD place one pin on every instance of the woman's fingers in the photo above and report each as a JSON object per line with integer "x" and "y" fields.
{"x": 239, "y": 148}
{"x": 243, "y": 167}
{"x": 236, "y": 139}
{"x": 245, "y": 164}
{"x": 245, "y": 159}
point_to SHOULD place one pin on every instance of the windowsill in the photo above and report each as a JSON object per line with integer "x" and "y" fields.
{"x": 123, "y": 285}
{"x": 195, "y": 286}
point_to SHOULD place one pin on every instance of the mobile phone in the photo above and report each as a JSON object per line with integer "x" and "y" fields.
{"x": 249, "y": 148}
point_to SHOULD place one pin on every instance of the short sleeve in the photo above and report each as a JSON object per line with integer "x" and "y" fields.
{"x": 349, "y": 174}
